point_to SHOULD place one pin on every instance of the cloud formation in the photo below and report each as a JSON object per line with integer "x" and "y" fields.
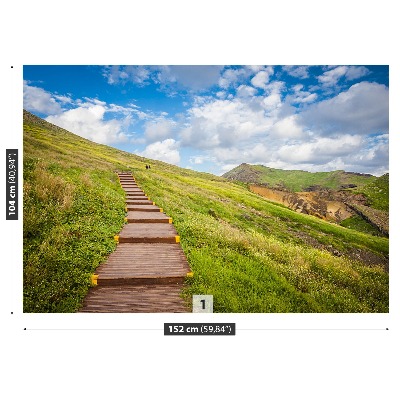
{"x": 332, "y": 76}
{"x": 166, "y": 150}
{"x": 88, "y": 122}
{"x": 316, "y": 118}
{"x": 39, "y": 100}
{"x": 362, "y": 109}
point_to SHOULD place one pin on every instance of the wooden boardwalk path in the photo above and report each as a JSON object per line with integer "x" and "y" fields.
{"x": 147, "y": 270}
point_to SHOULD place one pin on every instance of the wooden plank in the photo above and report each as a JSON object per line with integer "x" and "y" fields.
{"x": 144, "y": 208}
{"x": 132, "y": 194}
{"x": 148, "y": 233}
{"x": 136, "y": 198}
{"x": 139, "y": 262}
{"x": 135, "y": 299}
{"x": 142, "y": 216}
{"x": 147, "y": 270}
{"x": 139, "y": 202}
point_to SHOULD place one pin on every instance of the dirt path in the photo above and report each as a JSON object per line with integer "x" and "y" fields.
{"x": 147, "y": 270}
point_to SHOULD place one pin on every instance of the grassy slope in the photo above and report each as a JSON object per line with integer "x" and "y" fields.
{"x": 245, "y": 251}
{"x": 296, "y": 180}
{"x": 377, "y": 193}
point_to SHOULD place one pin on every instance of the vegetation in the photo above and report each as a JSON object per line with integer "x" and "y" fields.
{"x": 377, "y": 193}
{"x": 296, "y": 180}
{"x": 360, "y": 224}
{"x": 251, "y": 254}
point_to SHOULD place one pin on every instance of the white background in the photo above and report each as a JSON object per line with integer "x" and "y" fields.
{"x": 277, "y": 356}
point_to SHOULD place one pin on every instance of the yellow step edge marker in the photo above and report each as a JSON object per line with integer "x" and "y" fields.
{"x": 153, "y": 203}
{"x": 170, "y": 220}
{"x": 189, "y": 275}
{"x": 116, "y": 238}
{"x": 93, "y": 279}
{"x": 125, "y": 219}
{"x": 161, "y": 210}
{"x": 177, "y": 239}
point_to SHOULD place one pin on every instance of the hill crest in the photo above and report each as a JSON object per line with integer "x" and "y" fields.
{"x": 297, "y": 180}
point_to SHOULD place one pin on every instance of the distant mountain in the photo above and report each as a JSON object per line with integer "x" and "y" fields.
{"x": 297, "y": 180}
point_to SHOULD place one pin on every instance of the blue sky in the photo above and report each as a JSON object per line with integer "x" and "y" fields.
{"x": 212, "y": 118}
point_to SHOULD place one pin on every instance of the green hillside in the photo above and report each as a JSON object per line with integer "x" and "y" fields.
{"x": 296, "y": 180}
{"x": 252, "y": 255}
{"x": 377, "y": 193}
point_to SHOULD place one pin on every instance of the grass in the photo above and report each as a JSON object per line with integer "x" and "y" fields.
{"x": 296, "y": 180}
{"x": 70, "y": 217}
{"x": 244, "y": 252}
{"x": 252, "y": 255}
{"x": 358, "y": 223}
{"x": 377, "y": 193}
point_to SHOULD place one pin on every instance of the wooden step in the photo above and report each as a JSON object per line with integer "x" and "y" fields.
{"x": 132, "y": 194}
{"x": 142, "y": 232}
{"x": 139, "y": 202}
{"x": 135, "y": 299}
{"x": 136, "y": 198}
{"x": 143, "y": 207}
{"x": 147, "y": 270}
{"x": 142, "y": 216}
{"x": 138, "y": 263}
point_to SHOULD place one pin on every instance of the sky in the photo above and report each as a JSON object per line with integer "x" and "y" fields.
{"x": 212, "y": 118}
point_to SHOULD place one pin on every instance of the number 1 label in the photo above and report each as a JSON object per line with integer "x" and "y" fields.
{"x": 202, "y": 303}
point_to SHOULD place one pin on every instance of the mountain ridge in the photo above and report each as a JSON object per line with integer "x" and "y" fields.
{"x": 296, "y": 180}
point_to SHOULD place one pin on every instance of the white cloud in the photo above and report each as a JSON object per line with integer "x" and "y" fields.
{"x": 137, "y": 74}
{"x": 166, "y": 150}
{"x": 332, "y": 76}
{"x": 356, "y": 72}
{"x": 288, "y": 127}
{"x": 194, "y": 77}
{"x": 233, "y": 77}
{"x": 63, "y": 99}
{"x": 297, "y": 71}
{"x": 230, "y": 77}
{"x": 245, "y": 91}
{"x": 300, "y": 96}
{"x": 224, "y": 122}
{"x": 197, "y": 159}
{"x": 39, "y": 100}
{"x": 320, "y": 150}
{"x": 362, "y": 109}
{"x": 201, "y": 159}
{"x": 253, "y": 153}
{"x": 159, "y": 129}
{"x": 88, "y": 122}
{"x": 272, "y": 102}
{"x": 261, "y": 79}
{"x": 169, "y": 77}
